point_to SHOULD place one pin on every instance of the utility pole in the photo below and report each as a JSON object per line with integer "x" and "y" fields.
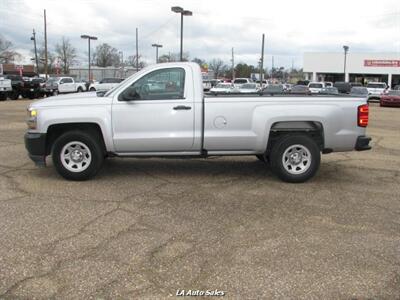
{"x": 45, "y": 45}
{"x": 33, "y": 38}
{"x": 137, "y": 51}
{"x": 272, "y": 69}
{"x": 233, "y": 65}
{"x": 262, "y": 60}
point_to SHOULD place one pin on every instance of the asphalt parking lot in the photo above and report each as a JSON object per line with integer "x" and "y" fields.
{"x": 146, "y": 228}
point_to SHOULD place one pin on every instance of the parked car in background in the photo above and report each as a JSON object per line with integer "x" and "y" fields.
{"x": 224, "y": 88}
{"x": 328, "y": 84}
{"x": 397, "y": 87}
{"x": 105, "y": 84}
{"x": 5, "y": 88}
{"x": 376, "y": 89}
{"x": 300, "y": 90}
{"x": 343, "y": 87}
{"x": 329, "y": 91}
{"x": 392, "y": 98}
{"x": 32, "y": 87}
{"x": 60, "y": 85}
{"x": 214, "y": 82}
{"x": 17, "y": 83}
{"x": 249, "y": 88}
{"x": 316, "y": 87}
{"x": 359, "y": 91}
{"x": 206, "y": 85}
{"x": 273, "y": 89}
{"x": 287, "y": 87}
{"x": 303, "y": 82}
{"x": 238, "y": 82}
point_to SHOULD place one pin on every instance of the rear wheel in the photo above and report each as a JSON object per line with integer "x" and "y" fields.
{"x": 77, "y": 155}
{"x": 79, "y": 90}
{"x": 295, "y": 158}
{"x": 14, "y": 95}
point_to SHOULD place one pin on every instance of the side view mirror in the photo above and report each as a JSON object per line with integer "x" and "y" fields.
{"x": 100, "y": 93}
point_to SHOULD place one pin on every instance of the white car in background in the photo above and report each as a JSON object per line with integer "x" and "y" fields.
{"x": 224, "y": 88}
{"x": 238, "y": 82}
{"x": 316, "y": 87}
{"x": 249, "y": 88}
{"x": 376, "y": 89}
{"x": 105, "y": 84}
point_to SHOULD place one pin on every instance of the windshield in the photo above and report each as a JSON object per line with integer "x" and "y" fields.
{"x": 315, "y": 85}
{"x": 53, "y": 79}
{"x": 377, "y": 85}
{"x": 249, "y": 86}
{"x": 394, "y": 93}
{"x": 240, "y": 81}
{"x": 223, "y": 85}
{"x": 275, "y": 88}
{"x": 359, "y": 91}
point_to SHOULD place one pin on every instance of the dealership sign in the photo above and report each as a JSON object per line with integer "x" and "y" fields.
{"x": 381, "y": 63}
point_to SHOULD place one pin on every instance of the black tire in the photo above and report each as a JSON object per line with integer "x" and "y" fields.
{"x": 92, "y": 89}
{"x": 278, "y": 152}
{"x": 3, "y": 97}
{"x": 79, "y": 90}
{"x": 92, "y": 141}
{"x": 14, "y": 96}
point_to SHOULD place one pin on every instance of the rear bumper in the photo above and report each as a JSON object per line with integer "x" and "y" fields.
{"x": 35, "y": 143}
{"x": 362, "y": 143}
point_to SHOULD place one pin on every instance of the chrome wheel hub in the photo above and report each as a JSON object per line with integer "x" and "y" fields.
{"x": 76, "y": 156}
{"x": 296, "y": 159}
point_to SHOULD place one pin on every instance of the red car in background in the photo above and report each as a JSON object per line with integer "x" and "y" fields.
{"x": 392, "y": 98}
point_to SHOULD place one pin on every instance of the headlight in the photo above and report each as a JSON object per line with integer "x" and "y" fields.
{"x": 32, "y": 118}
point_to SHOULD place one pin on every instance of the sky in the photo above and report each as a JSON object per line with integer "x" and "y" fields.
{"x": 291, "y": 27}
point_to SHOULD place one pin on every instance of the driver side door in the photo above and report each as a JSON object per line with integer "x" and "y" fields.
{"x": 155, "y": 113}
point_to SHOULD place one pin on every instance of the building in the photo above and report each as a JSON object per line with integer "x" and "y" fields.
{"x": 360, "y": 67}
{"x": 12, "y": 69}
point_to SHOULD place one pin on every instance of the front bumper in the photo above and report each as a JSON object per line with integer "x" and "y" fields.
{"x": 35, "y": 143}
{"x": 362, "y": 143}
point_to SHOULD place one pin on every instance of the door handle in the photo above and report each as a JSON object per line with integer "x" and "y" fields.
{"x": 182, "y": 107}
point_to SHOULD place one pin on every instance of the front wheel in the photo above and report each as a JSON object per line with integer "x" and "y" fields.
{"x": 77, "y": 155}
{"x": 295, "y": 158}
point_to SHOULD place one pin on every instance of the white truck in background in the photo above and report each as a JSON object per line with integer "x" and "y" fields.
{"x": 62, "y": 85}
{"x": 5, "y": 88}
{"x": 162, "y": 111}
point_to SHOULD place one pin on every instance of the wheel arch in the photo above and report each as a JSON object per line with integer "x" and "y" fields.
{"x": 313, "y": 129}
{"x": 56, "y": 130}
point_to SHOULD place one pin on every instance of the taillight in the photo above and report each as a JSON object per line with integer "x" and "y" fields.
{"x": 362, "y": 118}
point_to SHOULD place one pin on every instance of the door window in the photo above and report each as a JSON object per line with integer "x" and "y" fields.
{"x": 162, "y": 84}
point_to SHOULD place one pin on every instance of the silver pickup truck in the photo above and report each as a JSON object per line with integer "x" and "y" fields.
{"x": 162, "y": 111}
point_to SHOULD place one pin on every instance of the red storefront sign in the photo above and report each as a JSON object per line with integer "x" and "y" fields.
{"x": 381, "y": 63}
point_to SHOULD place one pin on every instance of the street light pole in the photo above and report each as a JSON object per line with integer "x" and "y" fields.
{"x": 180, "y": 10}
{"x": 33, "y": 38}
{"x": 88, "y": 37}
{"x": 346, "y": 49}
{"x": 156, "y": 46}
